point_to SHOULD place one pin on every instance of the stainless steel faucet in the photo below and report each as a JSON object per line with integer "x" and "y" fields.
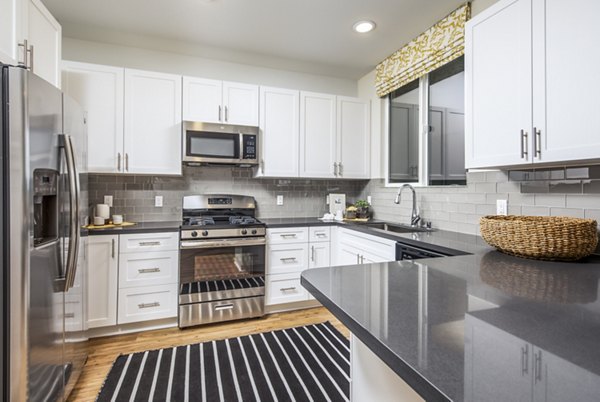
{"x": 414, "y": 217}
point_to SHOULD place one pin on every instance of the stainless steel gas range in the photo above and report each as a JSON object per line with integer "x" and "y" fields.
{"x": 221, "y": 261}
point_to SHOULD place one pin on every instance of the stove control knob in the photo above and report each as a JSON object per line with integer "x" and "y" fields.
{"x": 254, "y": 231}
{"x": 244, "y": 231}
{"x": 194, "y": 234}
{"x": 205, "y": 233}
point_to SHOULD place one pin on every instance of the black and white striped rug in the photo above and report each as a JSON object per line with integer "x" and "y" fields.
{"x": 310, "y": 363}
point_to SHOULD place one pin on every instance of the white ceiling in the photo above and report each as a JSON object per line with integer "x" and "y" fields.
{"x": 314, "y": 36}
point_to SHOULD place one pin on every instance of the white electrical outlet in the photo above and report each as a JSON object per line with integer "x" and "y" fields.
{"x": 280, "y": 200}
{"x": 158, "y": 201}
{"x": 501, "y": 207}
{"x": 108, "y": 200}
{"x": 369, "y": 199}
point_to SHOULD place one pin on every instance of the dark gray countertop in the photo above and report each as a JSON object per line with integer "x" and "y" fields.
{"x": 139, "y": 227}
{"x": 470, "y": 328}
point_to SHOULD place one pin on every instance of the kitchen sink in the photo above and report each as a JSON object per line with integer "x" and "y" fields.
{"x": 398, "y": 228}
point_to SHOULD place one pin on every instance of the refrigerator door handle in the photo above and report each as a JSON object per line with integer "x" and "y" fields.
{"x": 74, "y": 231}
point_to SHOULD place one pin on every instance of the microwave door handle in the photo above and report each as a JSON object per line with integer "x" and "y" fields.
{"x": 74, "y": 233}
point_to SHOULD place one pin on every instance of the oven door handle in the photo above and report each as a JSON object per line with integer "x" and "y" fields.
{"x": 222, "y": 243}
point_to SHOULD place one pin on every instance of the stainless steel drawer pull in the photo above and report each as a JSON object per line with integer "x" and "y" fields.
{"x": 524, "y": 145}
{"x": 312, "y": 253}
{"x": 69, "y": 315}
{"x": 537, "y": 142}
{"x": 149, "y": 243}
{"x": 288, "y": 289}
{"x": 148, "y": 305}
{"x": 224, "y": 307}
{"x": 288, "y": 259}
{"x": 148, "y": 270}
{"x": 285, "y": 236}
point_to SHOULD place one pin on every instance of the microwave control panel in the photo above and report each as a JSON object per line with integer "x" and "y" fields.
{"x": 249, "y": 150}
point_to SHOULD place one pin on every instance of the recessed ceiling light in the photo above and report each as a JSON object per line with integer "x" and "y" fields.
{"x": 364, "y": 26}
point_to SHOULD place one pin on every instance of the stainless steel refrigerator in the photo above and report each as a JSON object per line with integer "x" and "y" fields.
{"x": 43, "y": 165}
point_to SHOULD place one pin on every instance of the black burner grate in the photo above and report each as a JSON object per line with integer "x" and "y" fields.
{"x": 223, "y": 284}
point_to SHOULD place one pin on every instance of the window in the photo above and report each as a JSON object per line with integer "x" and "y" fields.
{"x": 428, "y": 148}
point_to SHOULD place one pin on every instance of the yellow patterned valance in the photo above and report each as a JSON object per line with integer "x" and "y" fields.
{"x": 440, "y": 44}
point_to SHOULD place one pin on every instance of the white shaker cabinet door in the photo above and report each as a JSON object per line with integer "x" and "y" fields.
{"x": 202, "y": 100}
{"x": 44, "y": 35}
{"x": 354, "y": 138}
{"x": 279, "y": 109}
{"x": 566, "y": 82}
{"x": 318, "y": 143}
{"x": 152, "y": 123}
{"x": 10, "y": 31}
{"x": 240, "y": 104}
{"x": 498, "y": 80}
{"x": 102, "y": 283}
{"x": 99, "y": 90}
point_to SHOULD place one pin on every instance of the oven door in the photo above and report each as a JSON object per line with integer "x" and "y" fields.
{"x": 221, "y": 269}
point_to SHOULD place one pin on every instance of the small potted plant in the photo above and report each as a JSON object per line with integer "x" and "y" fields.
{"x": 362, "y": 209}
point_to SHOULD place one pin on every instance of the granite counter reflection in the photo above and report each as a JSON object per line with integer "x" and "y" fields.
{"x": 481, "y": 327}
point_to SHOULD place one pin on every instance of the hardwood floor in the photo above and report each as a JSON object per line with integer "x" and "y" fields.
{"x": 103, "y": 351}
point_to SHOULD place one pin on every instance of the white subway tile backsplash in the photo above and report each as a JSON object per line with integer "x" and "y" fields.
{"x": 572, "y": 212}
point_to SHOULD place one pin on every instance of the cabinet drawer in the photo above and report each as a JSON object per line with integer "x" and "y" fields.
{"x": 319, "y": 233}
{"x": 73, "y": 314}
{"x": 144, "y": 269}
{"x": 147, "y": 303}
{"x": 287, "y": 235}
{"x": 285, "y": 289}
{"x": 149, "y": 242}
{"x": 287, "y": 258}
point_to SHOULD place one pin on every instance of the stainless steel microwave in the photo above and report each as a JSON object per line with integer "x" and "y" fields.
{"x": 223, "y": 144}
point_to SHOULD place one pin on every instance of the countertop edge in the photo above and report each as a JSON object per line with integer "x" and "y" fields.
{"x": 421, "y": 385}
{"x": 140, "y": 227}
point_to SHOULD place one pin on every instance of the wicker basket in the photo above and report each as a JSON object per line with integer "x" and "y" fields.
{"x": 541, "y": 238}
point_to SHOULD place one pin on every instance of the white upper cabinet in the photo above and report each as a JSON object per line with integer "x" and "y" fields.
{"x": 152, "y": 122}
{"x": 99, "y": 90}
{"x": 214, "y": 101}
{"x": 318, "y": 140}
{"x": 353, "y": 132}
{"x": 44, "y": 37}
{"x": 531, "y": 84}
{"x": 279, "y": 125}
{"x": 31, "y": 36}
{"x": 10, "y": 31}
{"x": 566, "y": 83}
{"x": 240, "y": 104}
{"x": 498, "y": 85}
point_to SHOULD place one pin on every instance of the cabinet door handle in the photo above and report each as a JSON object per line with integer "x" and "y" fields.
{"x": 118, "y": 161}
{"x": 148, "y": 305}
{"x": 224, "y": 307}
{"x": 537, "y": 142}
{"x": 30, "y": 58}
{"x": 127, "y": 161}
{"x": 357, "y": 259}
{"x": 321, "y": 235}
{"x": 69, "y": 315}
{"x": 335, "y": 169}
{"x": 220, "y": 119}
{"x": 25, "y": 47}
{"x": 525, "y": 360}
{"x": 340, "y": 169}
{"x": 262, "y": 166}
{"x": 149, "y": 243}
{"x": 362, "y": 259}
{"x": 226, "y": 114}
{"x": 286, "y": 259}
{"x": 148, "y": 270}
{"x": 113, "y": 248}
{"x": 537, "y": 366}
{"x": 285, "y": 236}
{"x": 288, "y": 289}
{"x": 524, "y": 151}
{"x": 312, "y": 253}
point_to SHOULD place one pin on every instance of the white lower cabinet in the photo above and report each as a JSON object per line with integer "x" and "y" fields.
{"x": 102, "y": 280}
{"x": 131, "y": 278}
{"x": 353, "y": 247}
{"x": 289, "y": 252}
{"x": 147, "y": 303}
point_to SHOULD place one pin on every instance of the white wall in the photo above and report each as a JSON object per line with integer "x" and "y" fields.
{"x": 178, "y": 63}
